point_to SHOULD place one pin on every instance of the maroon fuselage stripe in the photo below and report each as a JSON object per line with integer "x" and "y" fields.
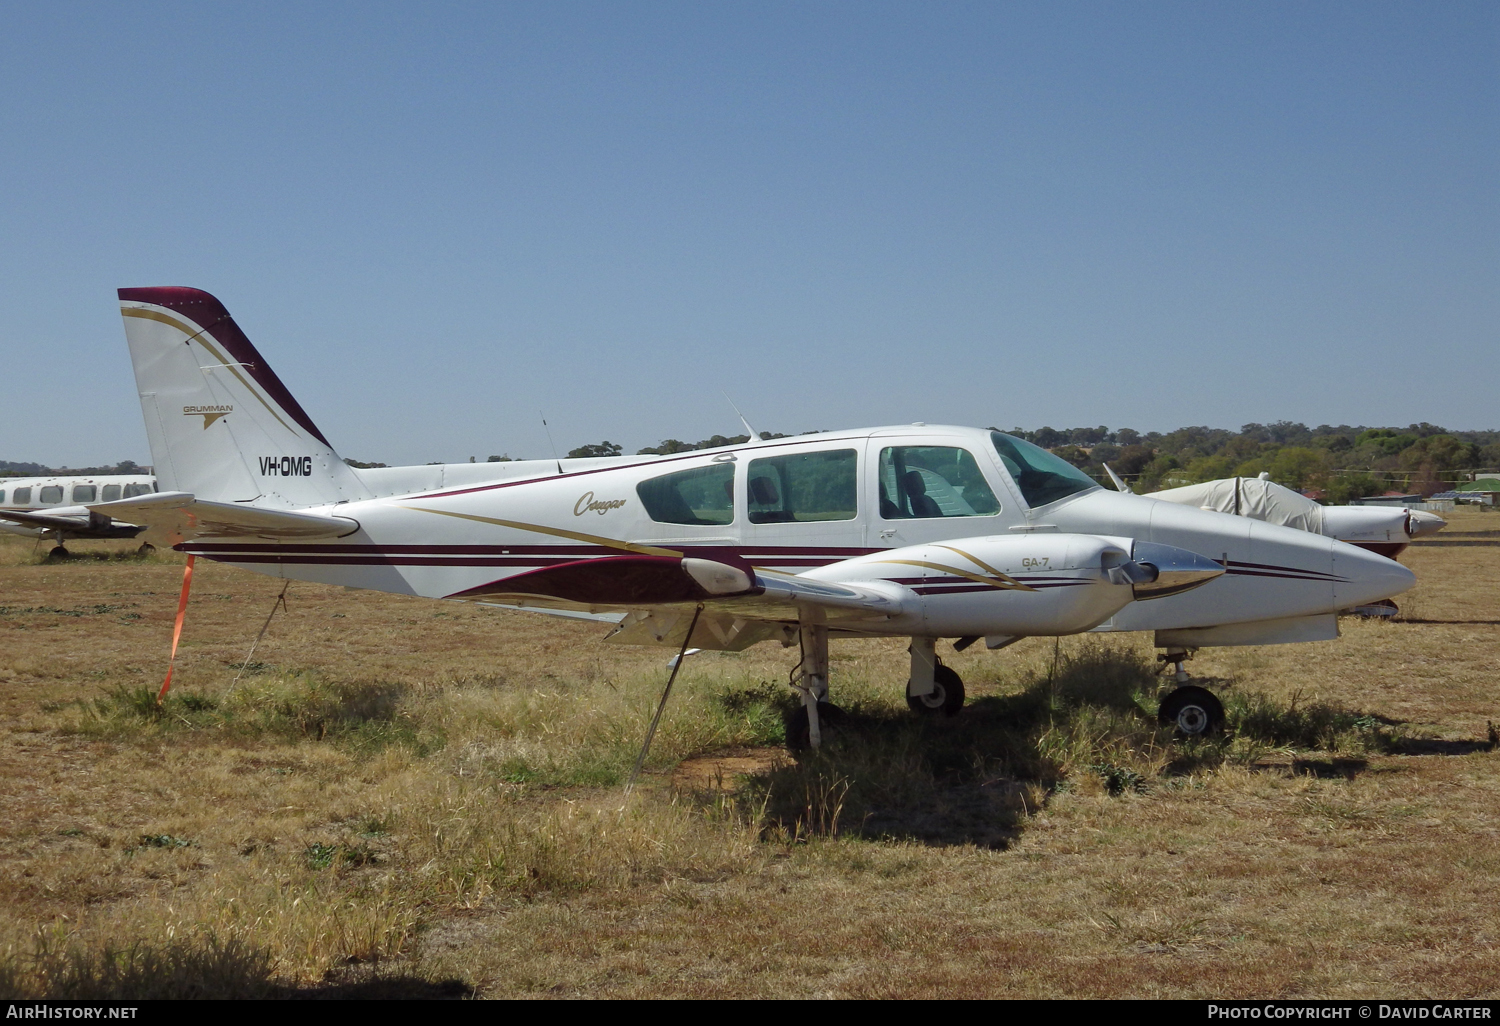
{"x": 534, "y": 556}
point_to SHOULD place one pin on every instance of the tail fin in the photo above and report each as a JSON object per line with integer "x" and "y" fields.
{"x": 221, "y": 424}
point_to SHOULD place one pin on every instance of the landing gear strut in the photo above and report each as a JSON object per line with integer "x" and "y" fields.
{"x": 806, "y": 727}
{"x": 932, "y": 688}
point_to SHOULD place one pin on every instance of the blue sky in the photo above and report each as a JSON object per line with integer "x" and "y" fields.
{"x": 439, "y": 221}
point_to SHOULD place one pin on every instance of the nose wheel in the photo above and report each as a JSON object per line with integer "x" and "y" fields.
{"x": 1194, "y": 711}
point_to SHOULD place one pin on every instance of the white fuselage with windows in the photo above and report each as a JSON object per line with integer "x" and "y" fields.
{"x": 923, "y": 530}
{"x": 64, "y": 497}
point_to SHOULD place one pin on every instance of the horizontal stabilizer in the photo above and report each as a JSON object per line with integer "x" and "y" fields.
{"x": 171, "y": 518}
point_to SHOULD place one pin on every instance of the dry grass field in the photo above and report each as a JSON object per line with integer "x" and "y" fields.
{"x": 425, "y": 799}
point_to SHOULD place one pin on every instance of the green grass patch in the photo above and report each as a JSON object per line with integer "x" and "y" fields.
{"x": 362, "y": 717}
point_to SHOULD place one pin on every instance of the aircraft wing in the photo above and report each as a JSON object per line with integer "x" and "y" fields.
{"x": 79, "y": 525}
{"x": 171, "y": 518}
{"x": 657, "y": 595}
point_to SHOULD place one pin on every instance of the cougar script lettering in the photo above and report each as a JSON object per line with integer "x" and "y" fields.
{"x": 588, "y": 503}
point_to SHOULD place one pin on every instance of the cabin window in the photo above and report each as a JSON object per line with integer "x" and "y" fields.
{"x": 111, "y": 493}
{"x": 2, "y": 494}
{"x": 51, "y": 495}
{"x": 920, "y": 481}
{"x": 704, "y": 495}
{"x": 23, "y": 496}
{"x": 1041, "y": 476}
{"x": 132, "y": 490}
{"x": 805, "y": 487}
{"x": 84, "y": 493}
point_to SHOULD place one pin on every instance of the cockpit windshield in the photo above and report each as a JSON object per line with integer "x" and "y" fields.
{"x": 1041, "y": 476}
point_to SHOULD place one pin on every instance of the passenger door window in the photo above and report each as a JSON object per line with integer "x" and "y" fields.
{"x": 23, "y": 496}
{"x": 51, "y": 495}
{"x": 111, "y": 493}
{"x": 804, "y": 487}
{"x": 84, "y": 493}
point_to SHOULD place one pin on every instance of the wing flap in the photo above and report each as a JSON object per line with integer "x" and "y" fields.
{"x": 741, "y": 605}
{"x": 172, "y": 518}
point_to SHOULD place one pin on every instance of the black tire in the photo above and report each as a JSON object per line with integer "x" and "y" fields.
{"x": 798, "y": 737}
{"x": 59, "y": 553}
{"x": 946, "y": 698}
{"x": 1193, "y": 711}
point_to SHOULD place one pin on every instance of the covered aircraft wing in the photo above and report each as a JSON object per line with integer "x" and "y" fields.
{"x": 73, "y": 526}
{"x": 171, "y": 518}
{"x": 1250, "y": 497}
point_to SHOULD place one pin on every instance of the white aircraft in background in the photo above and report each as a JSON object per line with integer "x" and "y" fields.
{"x": 57, "y": 507}
{"x": 917, "y": 531}
{"x": 1383, "y": 529}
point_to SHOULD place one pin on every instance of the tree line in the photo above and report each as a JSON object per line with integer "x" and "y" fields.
{"x": 9, "y": 468}
{"x": 1341, "y": 463}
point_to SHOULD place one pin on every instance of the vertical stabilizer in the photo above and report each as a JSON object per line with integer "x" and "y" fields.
{"x": 220, "y": 422}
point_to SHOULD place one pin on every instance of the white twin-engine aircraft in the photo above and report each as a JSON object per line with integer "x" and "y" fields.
{"x": 54, "y": 507}
{"x": 919, "y": 531}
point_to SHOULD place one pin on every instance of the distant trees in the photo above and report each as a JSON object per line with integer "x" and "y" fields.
{"x": 1346, "y": 462}
{"x": 671, "y": 445}
{"x": 604, "y": 448}
{"x": 124, "y": 467}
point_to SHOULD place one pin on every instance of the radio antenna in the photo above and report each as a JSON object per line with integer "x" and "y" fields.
{"x": 550, "y": 441}
{"x": 754, "y": 434}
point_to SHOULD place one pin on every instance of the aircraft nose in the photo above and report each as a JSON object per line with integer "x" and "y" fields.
{"x": 1365, "y": 577}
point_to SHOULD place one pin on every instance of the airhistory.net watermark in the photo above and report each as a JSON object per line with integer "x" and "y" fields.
{"x": 36, "y": 1010}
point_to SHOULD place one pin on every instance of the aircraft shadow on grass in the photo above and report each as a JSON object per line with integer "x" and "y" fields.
{"x": 976, "y": 778}
{"x": 970, "y": 779}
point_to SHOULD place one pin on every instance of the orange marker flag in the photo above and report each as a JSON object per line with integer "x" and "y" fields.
{"x": 187, "y": 582}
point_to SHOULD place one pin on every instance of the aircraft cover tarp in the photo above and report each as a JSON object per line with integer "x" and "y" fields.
{"x": 1250, "y": 497}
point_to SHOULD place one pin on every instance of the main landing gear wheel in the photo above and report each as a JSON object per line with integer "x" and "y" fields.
{"x": 1194, "y": 711}
{"x": 798, "y": 737}
{"x": 59, "y": 553}
{"x": 947, "y": 695}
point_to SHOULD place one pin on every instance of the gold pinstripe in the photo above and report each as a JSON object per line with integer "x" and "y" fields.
{"x": 556, "y": 532}
{"x": 1001, "y": 581}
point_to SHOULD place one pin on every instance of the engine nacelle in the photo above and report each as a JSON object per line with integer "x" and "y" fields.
{"x": 1367, "y": 524}
{"x": 1039, "y": 584}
